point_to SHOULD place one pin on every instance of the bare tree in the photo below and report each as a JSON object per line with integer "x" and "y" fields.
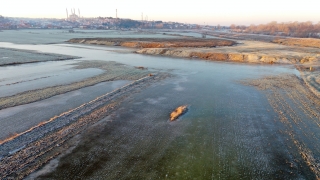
{"x": 295, "y": 29}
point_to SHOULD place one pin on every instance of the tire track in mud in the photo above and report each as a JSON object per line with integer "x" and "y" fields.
{"x": 298, "y": 110}
{"x": 312, "y": 80}
{"x": 290, "y": 122}
{"x": 44, "y": 142}
{"x": 18, "y": 82}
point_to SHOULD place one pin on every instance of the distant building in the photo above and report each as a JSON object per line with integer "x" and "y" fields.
{"x": 73, "y": 16}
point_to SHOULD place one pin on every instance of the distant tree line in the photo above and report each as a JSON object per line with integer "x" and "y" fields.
{"x": 294, "y": 29}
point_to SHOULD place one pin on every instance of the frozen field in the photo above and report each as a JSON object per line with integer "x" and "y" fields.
{"x": 60, "y": 36}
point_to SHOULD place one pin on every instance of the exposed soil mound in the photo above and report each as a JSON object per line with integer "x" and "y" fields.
{"x": 154, "y": 43}
{"x": 210, "y": 56}
{"x": 248, "y": 51}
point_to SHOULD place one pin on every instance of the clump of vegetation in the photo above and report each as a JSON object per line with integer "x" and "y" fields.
{"x": 305, "y": 42}
{"x": 178, "y": 112}
{"x": 293, "y": 29}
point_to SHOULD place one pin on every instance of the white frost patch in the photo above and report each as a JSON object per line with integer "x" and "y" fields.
{"x": 179, "y": 88}
{"x": 155, "y": 101}
{"x": 16, "y": 150}
{"x": 137, "y": 103}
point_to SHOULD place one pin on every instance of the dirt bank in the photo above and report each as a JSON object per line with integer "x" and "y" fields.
{"x": 248, "y": 51}
{"x": 154, "y": 43}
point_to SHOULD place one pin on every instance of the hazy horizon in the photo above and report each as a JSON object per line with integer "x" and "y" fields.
{"x": 201, "y": 12}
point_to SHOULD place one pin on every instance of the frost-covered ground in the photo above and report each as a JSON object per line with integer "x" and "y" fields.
{"x": 32, "y": 36}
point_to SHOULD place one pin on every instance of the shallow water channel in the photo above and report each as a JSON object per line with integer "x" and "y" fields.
{"x": 229, "y": 132}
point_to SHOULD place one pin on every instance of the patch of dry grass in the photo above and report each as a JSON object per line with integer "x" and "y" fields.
{"x": 178, "y": 112}
{"x": 304, "y": 42}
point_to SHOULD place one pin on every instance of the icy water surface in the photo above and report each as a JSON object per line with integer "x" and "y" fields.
{"x": 189, "y": 34}
{"x": 229, "y": 132}
{"x": 21, "y": 118}
{"x": 19, "y": 78}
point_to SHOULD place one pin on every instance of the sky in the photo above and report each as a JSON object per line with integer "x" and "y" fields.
{"x": 203, "y": 12}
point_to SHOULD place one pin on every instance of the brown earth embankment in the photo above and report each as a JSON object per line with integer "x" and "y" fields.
{"x": 250, "y": 52}
{"x": 154, "y": 43}
{"x": 215, "y": 56}
{"x": 224, "y": 56}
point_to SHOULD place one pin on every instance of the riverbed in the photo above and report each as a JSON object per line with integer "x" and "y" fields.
{"x": 231, "y": 131}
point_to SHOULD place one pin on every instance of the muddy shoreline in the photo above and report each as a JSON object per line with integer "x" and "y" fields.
{"x": 154, "y": 42}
